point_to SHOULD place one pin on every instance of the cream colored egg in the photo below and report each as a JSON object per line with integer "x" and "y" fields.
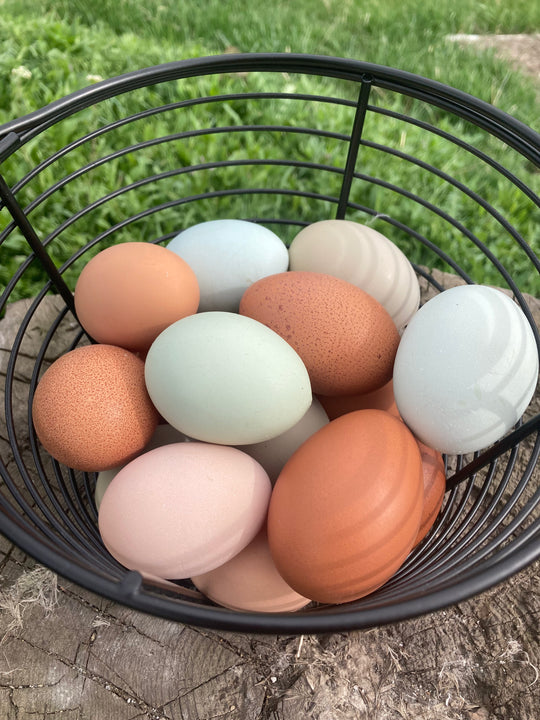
{"x": 274, "y": 453}
{"x": 365, "y": 258}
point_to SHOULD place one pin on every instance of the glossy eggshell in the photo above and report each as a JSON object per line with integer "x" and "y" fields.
{"x": 345, "y": 337}
{"x": 346, "y": 508}
{"x": 127, "y": 294}
{"x": 362, "y": 256}
{"x": 163, "y": 435}
{"x": 273, "y": 454}
{"x": 224, "y": 378}
{"x": 381, "y": 399}
{"x": 227, "y": 256}
{"x": 91, "y": 410}
{"x": 250, "y": 581}
{"x": 466, "y": 369}
{"x": 433, "y": 471}
{"x": 183, "y": 509}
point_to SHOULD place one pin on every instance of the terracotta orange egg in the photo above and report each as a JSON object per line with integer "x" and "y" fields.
{"x": 129, "y": 293}
{"x": 91, "y": 409}
{"x": 381, "y": 399}
{"x": 345, "y": 337}
{"x": 434, "y": 488}
{"x": 346, "y": 508}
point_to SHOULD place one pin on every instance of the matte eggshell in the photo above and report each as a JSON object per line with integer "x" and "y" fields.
{"x": 91, "y": 410}
{"x": 345, "y": 337}
{"x": 345, "y": 510}
{"x": 466, "y": 369}
{"x": 183, "y": 509}
{"x": 381, "y": 399}
{"x": 273, "y": 454}
{"x": 433, "y": 471}
{"x": 163, "y": 435}
{"x": 224, "y": 378}
{"x": 127, "y": 294}
{"x": 250, "y": 581}
{"x": 227, "y": 256}
{"x": 362, "y": 256}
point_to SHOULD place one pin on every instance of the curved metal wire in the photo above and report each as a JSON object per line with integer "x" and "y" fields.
{"x": 489, "y": 526}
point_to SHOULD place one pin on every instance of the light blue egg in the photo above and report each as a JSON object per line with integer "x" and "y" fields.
{"x": 225, "y": 378}
{"x": 228, "y": 256}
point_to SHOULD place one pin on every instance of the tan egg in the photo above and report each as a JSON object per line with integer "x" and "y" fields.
{"x": 434, "y": 488}
{"x": 91, "y": 410}
{"x": 129, "y": 293}
{"x": 346, "y": 508}
{"x": 380, "y": 399}
{"x": 362, "y": 256}
{"x": 250, "y": 581}
{"x": 346, "y": 338}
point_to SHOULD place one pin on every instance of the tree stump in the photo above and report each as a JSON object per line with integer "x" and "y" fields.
{"x": 69, "y": 654}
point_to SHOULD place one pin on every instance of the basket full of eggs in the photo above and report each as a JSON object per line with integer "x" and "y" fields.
{"x": 286, "y": 376}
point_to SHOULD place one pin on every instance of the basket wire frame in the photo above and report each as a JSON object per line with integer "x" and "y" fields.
{"x": 489, "y": 526}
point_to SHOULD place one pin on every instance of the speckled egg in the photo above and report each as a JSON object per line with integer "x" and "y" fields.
{"x": 346, "y": 338}
{"x": 91, "y": 409}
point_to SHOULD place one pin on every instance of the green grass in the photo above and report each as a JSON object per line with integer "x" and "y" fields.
{"x": 49, "y": 49}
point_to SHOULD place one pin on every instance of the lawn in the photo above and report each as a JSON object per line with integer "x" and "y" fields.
{"x": 49, "y": 49}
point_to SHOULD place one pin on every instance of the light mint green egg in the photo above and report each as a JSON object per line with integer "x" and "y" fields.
{"x": 225, "y": 378}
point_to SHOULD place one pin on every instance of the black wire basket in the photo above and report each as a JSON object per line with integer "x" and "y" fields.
{"x": 283, "y": 140}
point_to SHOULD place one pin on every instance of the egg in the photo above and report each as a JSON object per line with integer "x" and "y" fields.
{"x": 346, "y": 508}
{"x": 183, "y": 509}
{"x": 346, "y": 339}
{"x": 362, "y": 256}
{"x": 250, "y": 581}
{"x": 433, "y": 472}
{"x": 382, "y": 399}
{"x": 274, "y": 453}
{"x": 227, "y": 256}
{"x": 163, "y": 435}
{"x": 91, "y": 410}
{"x": 127, "y": 294}
{"x": 223, "y": 378}
{"x": 466, "y": 369}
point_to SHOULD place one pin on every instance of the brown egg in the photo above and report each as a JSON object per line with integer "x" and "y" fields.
{"x": 91, "y": 410}
{"x": 434, "y": 488}
{"x": 380, "y": 399}
{"x": 346, "y": 338}
{"x": 346, "y": 508}
{"x": 129, "y": 293}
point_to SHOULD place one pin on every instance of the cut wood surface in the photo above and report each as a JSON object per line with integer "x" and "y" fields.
{"x": 69, "y": 654}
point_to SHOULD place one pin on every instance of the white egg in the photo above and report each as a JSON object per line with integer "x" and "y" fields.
{"x": 274, "y": 453}
{"x": 362, "y": 256}
{"x": 225, "y": 378}
{"x": 228, "y": 256}
{"x": 466, "y": 369}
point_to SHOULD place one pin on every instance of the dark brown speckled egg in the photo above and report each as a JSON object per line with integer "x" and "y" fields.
{"x": 91, "y": 409}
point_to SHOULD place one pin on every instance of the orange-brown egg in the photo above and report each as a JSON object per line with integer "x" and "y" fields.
{"x": 91, "y": 409}
{"x": 346, "y": 338}
{"x": 381, "y": 399}
{"x": 434, "y": 488}
{"x": 346, "y": 508}
{"x": 129, "y": 293}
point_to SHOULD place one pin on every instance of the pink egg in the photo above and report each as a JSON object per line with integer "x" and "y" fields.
{"x": 184, "y": 509}
{"x": 250, "y": 581}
